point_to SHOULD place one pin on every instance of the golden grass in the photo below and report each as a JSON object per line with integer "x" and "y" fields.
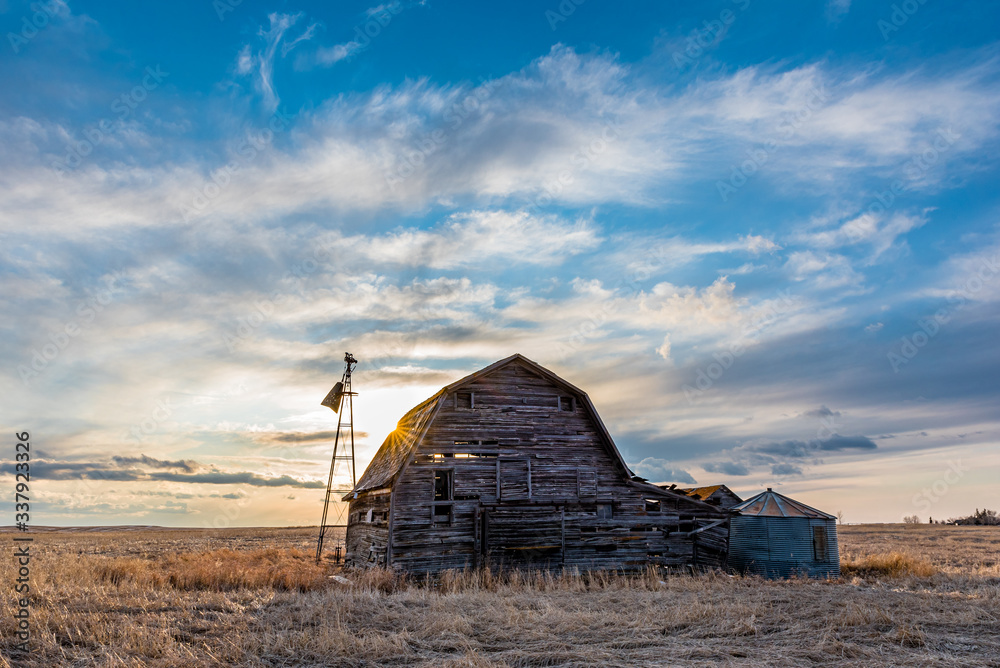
{"x": 226, "y": 570}
{"x": 886, "y": 565}
{"x": 255, "y": 598}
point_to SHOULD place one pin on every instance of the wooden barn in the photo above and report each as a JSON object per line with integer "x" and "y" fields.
{"x": 511, "y": 467}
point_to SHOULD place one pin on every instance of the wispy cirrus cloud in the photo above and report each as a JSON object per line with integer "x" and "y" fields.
{"x": 257, "y": 61}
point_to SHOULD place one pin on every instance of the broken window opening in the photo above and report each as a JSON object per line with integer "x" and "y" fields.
{"x": 448, "y": 456}
{"x": 443, "y": 487}
{"x": 442, "y": 513}
{"x": 466, "y": 400}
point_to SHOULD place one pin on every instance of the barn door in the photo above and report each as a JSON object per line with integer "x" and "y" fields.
{"x": 515, "y": 479}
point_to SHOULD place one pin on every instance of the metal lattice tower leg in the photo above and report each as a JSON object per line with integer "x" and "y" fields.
{"x": 335, "y": 400}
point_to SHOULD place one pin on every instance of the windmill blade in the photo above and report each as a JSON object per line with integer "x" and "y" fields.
{"x": 334, "y": 397}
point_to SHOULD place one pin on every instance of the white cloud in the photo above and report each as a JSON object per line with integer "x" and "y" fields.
{"x": 474, "y": 237}
{"x": 568, "y": 129}
{"x": 661, "y": 470}
{"x": 882, "y": 232}
{"x": 330, "y": 55}
{"x": 743, "y": 269}
{"x": 968, "y": 278}
{"x": 260, "y": 62}
{"x": 664, "y": 349}
{"x": 823, "y": 270}
{"x": 758, "y": 244}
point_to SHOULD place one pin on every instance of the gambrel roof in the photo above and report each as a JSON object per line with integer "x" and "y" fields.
{"x": 399, "y": 446}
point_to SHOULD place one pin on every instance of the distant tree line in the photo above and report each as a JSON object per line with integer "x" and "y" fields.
{"x": 982, "y": 517}
{"x": 979, "y": 518}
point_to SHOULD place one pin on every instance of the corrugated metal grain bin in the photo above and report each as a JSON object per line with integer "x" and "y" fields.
{"x": 777, "y": 537}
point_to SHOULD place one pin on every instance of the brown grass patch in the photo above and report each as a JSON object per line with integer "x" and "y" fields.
{"x": 886, "y": 565}
{"x": 117, "y": 571}
{"x": 226, "y": 570}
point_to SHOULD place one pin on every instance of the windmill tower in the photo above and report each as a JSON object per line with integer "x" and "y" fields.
{"x": 342, "y": 477}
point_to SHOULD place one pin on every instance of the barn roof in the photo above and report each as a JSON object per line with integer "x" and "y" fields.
{"x": 702, "y": 492}
{"x": 772, "y": 504}
{"x": 395, "y": 451}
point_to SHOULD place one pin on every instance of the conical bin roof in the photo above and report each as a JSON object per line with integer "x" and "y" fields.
{"x": 772, "y": 504}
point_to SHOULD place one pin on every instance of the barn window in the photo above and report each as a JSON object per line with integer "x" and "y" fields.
{"x": 819, "y": 544}
{"x": 465, "y": 400}
{"x": 652, "y": 505}
{"x": 567, "y": 403}
{"x": 605, "y": 511}
{"x": 471, "y": 445}
{"x": 442, "y": 513}
{"x": 442, "y": 485}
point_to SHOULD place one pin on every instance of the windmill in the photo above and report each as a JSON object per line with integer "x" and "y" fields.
{"x": 341, "y": 400}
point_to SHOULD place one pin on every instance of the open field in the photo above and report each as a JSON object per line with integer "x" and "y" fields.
{"x": 165, "y": 597}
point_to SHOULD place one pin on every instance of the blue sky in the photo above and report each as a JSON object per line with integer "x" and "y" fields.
{"x": 762, "y": 236}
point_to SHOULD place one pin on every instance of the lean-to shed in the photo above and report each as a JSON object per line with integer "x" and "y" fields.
{"x": 717, "y": 495}
{"x": 778, "y": 537}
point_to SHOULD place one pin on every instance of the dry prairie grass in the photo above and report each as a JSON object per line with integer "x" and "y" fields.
{"x": 886, "y": 565}
{"x": 254, "y": 598}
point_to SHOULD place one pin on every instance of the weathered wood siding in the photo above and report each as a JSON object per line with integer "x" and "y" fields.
{"x": 368, "y": 529}
{"x": 532, "y": 483}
